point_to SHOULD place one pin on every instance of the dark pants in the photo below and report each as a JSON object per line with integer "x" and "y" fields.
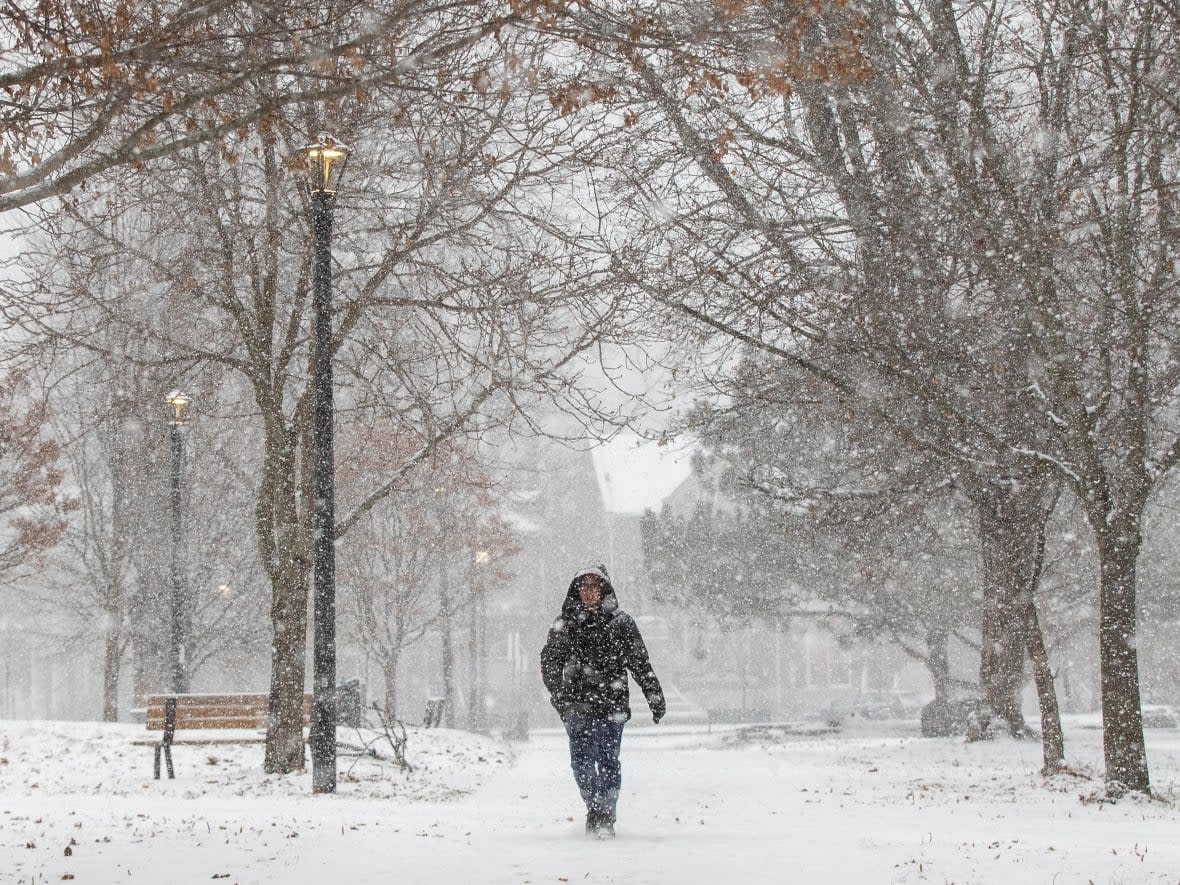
{"x": 594, "y": 757}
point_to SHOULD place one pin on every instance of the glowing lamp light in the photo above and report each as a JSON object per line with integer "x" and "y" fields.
{"x": 177, "y": 401}
{"x": 326, "y": 160}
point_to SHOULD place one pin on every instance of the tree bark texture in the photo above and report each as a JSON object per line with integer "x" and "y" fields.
{"x": 111, "y": 660}
{"x": 389, "y": 668}
{"x": 938, "y": 663}
{"x": 1052, "y": 737}
{"x": 1122, "y": 715}
{"x": 1008, "y": 546}
{"x": 283, "y": 544}
{"x": 1013, "y": 514}
{"x": 446, "y": 626}
{"x": 284, "y": 732}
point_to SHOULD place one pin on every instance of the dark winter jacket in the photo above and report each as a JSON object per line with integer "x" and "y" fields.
{"x": 588, "y": 653}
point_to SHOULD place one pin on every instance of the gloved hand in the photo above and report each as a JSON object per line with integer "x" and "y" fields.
{"x": 658, "y": 709}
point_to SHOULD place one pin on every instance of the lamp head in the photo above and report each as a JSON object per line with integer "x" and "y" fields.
{"x": 325, "y": 159}
{"x": 177, "y": 401}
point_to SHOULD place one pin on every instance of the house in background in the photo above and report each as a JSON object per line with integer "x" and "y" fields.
{"x": 793, "y": 668}
{"x": 791, "y": 665}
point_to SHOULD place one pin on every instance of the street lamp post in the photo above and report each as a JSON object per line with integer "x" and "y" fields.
{"x": 177, "y": 597}
{"x": 325, "y": 165}
{"x": 477, "y": 645}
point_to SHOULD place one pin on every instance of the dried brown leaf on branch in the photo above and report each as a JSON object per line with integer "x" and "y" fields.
{"x": 88, "y": 87}
{"x": 31, "y": 502}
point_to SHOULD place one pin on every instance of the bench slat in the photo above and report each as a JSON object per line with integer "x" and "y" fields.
{"x": 204, "y": 742}
{"x": 210, "y": 698}
{"x": 211, "y": 722}
{"x": 215, "y": 711}
{"x": 220, "y": 709}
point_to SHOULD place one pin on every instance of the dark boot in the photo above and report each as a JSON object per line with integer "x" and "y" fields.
{"x": 593, "y": 821}
{"x": 606, "y": 825}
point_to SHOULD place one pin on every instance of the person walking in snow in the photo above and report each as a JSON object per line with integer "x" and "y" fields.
{"x": 584, "y": 664}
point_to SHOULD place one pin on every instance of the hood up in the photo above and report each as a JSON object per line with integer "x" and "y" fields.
{"x": 573, "y": 603}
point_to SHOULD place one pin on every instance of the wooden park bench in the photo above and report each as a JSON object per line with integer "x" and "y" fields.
{"x": 171, "y": 712}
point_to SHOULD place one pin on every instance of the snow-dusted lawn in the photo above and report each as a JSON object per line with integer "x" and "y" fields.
{"x": 861, "y": 807}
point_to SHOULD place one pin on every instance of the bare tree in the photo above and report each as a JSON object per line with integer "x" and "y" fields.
{"x": 398, "y": 561}
{"x": 457, "y": 303}
{"x": 97, "y": 87}
{"x": 963, "y": 224}
{"x": 111, "y": 571}
{"x": 99, "y": 570}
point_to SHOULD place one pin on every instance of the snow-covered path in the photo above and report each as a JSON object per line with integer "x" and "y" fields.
{"x": 867, "y": 809}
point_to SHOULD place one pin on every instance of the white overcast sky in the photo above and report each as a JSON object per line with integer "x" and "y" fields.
{"x": 635, "y": 475}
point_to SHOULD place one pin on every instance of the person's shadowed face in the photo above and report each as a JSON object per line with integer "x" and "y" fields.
{"x": 590, "y": 591}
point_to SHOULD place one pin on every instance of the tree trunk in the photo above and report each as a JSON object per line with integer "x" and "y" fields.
{"x": 448, "y": 645}
{"x": 1122, "y": 716}
{"x": 1001, "y": 656}
{"x": 389, "y": 673}
{"x": 472, "y": 665}
{"x": 111, "y": 666}
{"x": 939, "y": 719}
{"x": 284, "y": 547}
{"x": 938, "y": 662}
{"x": 288, "y": 662}
{"x": 483, "y": 662}
{"x": 1010, "y": 514}
{"x": 1052, "y": 737}
{"x": 475, "y": 708}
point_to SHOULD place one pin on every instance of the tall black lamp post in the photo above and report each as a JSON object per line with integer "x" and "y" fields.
{"x": 177, "y": 597}
{"x": 325, "y": 166}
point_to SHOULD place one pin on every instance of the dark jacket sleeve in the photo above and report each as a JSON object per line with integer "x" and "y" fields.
{"x": 639, "y": 664}
{"x": 554, "y": 656}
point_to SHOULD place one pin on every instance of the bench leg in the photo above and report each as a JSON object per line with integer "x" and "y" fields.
{"x": 167, "y": 748}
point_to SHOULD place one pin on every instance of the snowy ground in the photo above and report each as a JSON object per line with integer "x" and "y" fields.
{"x": 77, "y": 802}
